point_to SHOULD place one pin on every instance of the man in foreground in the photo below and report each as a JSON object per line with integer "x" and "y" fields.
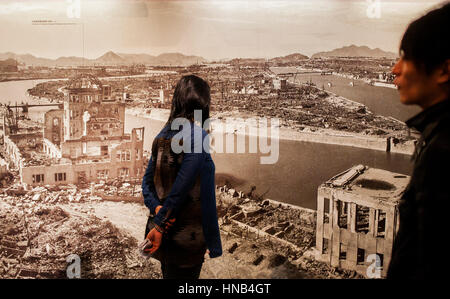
{"x": 422, "y": 77}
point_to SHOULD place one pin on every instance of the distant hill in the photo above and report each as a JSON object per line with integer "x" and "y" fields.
{"x": 8, "y": 65}
{"x": 289, "y": 58}
{"x": 8, "y": 62}
{"x": 7, "y": 55}
{"x": 138, "y": 58}
{"x": 355, "y": 51}
{"x": 71, "y": 60}
{"x": 178, "y": 59}
{"x": 27, "y": 59}
{"x": 109, "y": 58}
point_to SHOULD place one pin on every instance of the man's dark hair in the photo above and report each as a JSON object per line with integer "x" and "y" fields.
{"x": 191, "y": 93}
{"x": 426, "y": 40}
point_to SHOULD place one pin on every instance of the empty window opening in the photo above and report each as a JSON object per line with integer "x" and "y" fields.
{"x": 102, "y": 174}
{"x": 361, "y": 256}
{"x": 381, "y": 256}
{"x": 139, "y": 134}
{"x": 362, "y": 219}
{"x": 124, "y": 172}
{"x": 138, "y": 154}
{"x": 381, "y": 229}
{"x": 104, "y": 150}
{"x": 125, "y": 156}
{"x": 343, "y": 252}
{"x": 342, "y": 214}
{"x": 84, "y": 148}
{"x": 60, "y": 177}
{"x": 326, "y": 205}
{"x": 37, "y": 178}
{"x": 325, "y": 247}
{"x": 326, "y": 210}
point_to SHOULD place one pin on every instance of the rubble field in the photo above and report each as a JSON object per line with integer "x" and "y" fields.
{"x": 37, "y": 240}
{"x": 113, "y": 190}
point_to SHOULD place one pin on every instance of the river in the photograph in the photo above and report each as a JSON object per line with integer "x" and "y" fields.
{"x": 300, "y": 169}
{"x": 15, "y": 92}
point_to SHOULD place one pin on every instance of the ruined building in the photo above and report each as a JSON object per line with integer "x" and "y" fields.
{"x": 357, "y": 219}
{"x": 85, "y": 141}
{"x": 279, "y": 84}
{"x": 18, "y": 137}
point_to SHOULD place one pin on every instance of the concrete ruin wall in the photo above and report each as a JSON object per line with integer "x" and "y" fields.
{"x": 74, "y": 174}
{"x": 4, "y": 168}
{"x": 12, "y": 152}
{"x": 136, "y": 148}
{"x": 51, "y": 149}
{"x": 54, "y": 126}
{"x": 338, "y": 240}
{"x": 48, "y": 173}
{"x": 92, "y": 148}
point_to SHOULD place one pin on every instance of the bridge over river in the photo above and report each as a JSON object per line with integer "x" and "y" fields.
{"x": 26, "y": 106}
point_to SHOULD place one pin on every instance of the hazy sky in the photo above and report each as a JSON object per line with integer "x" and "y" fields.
{"x": 212, "y": 29}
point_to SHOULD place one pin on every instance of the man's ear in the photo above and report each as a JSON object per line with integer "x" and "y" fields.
{"x": 443, "y": 72}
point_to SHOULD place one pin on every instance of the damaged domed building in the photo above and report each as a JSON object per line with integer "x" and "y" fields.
{"x": 86, "y": 141}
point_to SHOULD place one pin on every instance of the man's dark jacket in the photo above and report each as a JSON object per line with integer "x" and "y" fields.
{"x": 421, "y": 246}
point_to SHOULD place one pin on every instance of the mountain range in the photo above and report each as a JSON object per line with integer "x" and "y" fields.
{"x": 165, "y": 59}
{"x": 109, "y": 58}
{"x": 356, "y": 51}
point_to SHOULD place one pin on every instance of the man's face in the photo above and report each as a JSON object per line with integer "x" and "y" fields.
{"x": 414, "y": 85}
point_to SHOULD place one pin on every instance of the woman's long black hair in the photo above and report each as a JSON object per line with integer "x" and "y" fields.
{"x": 191, "y": 93}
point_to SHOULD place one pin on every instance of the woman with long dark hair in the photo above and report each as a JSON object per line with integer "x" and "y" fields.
{"x": 179, "y": 189}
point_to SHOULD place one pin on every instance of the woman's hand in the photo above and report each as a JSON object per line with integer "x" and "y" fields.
{"x": 155, "y": 237}
{"x": 169, "y": 223}
{"x": 157, "y": 209}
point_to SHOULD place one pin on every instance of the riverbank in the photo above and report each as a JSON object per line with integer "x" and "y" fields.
{"x": 237, "y": 123}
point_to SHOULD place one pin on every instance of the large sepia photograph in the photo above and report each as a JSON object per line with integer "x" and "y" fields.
{"x": 216, "y": 139}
